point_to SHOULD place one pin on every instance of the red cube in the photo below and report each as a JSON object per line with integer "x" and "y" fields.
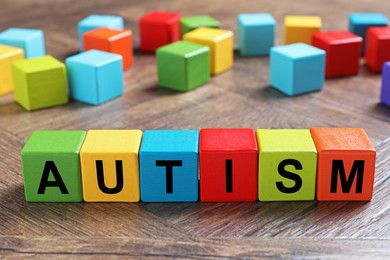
{"x": 228, "y": 165}
{"x": 342, "y": 52}
{"x": 377, "y": 47}
{"x": 158, "y": 29}
{"x": 111, "y": 40}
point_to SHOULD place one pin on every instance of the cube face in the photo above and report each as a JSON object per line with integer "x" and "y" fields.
{"x": 342, "y": 52}
{"x": 190, "y": 23}
{"x": 40, "y": 82}
{"x": 377, "y": 47}
{"x": 293, "y": 62}
{"x": 297, "y": 68}
{"x": 360, "y": 22}
{"x": 385, "y": 90}
{"x": 95, "y": 76}
{"x": 51, "y": 166}
{"x": 8, "y": 54}
{"x": 220, "y": 43}
{"x": 301, "y": 28}
{"x": 169, "y": 169}
{"x": 111, "y": 40}
{"x": 346, "y": 164}
{"x": 30, "y": 40}
{"x": 96, "y": 21}
{"x": 183, "y": 65}
{"x": 109, "y": 163}
{"x": 228, "y": 165}
{"x": 287, "y": 165}
{"x": 256, "y": 33}
{"x": 158, "y": 29}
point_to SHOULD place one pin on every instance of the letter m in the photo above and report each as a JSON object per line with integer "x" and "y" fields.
{"x": 338, "y": 170}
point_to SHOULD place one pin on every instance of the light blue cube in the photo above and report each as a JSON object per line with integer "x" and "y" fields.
{"x": 30, "y": 40}
{"x": 359, "y": 23}
{"x": 297, "y": 68}
{"x": 169, "y": 166}
{"x": 256, "y": 33}
{"x": 95, "y": 21}
{"x": 95, "y": 76}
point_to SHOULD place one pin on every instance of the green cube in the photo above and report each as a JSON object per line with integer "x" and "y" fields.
{"x": 51, "y": 166}
{"x": 190, "y": 23}
{"x": 183, "y": 66}
{"x": 287, "y": 165}
{"x": 40, "y": 82}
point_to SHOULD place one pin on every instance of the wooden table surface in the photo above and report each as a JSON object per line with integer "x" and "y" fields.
{"x": 240, "y": 97}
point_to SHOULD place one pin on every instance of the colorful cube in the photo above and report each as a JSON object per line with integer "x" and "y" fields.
{"x": 51, "y": 166}
{"x": 40, "y": 82}
{"x": 287, "y": 165}
{"x": 228, "y": 165}
{"x": 158, "y": 29}
{"x": 256, "y": 33}
{"x": 95, "y": 76}
{"x": 190, "y": 23}
{"x": 109, "y": 165}
{"x": 346, "y": 164}
{"x": 30, "y": 40}
{"x": 297, "y": 68}
{"x": 360, "y": 22}
{"x": 377, "y": 47}
{"x": 183, "y": 65}
{"x": 8, "y": 54}
{"x": 111, "y": 40}
{"x": 95, "y": 21}
{"x": 169, "y": 169}
{"x": 220, "y": 43}
{"x": 301, "y": 28}
{"x": 342, "y": 52}
{"x": 385, "y": 91}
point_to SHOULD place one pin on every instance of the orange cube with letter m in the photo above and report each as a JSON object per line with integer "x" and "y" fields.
{"x": 346, "y": 164}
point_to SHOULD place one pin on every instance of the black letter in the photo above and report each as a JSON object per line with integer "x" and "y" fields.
{"x": 289, "y": 175}
{"x": 229, "y": 176}
{"x": 169, "y": 172}
{"x": 58, "y": 182}
{"x": 119, "y": 177}
{"x": 346, "y": 185}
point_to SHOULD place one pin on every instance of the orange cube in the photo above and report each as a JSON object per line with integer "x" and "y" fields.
{"x": 346, "y": 164}
{"x": 111, "y": 40}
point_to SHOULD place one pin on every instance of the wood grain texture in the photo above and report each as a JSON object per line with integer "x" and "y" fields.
{"x": 239, "y": 97}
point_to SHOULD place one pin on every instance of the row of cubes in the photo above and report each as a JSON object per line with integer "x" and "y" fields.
{"x": 214, "y": 165}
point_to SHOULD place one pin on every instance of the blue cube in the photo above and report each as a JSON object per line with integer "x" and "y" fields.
{"x": 385, "y": 90}
{"x": 297, "y": 68}
{"x": 359, "y": 23}
{"x": 95, "y": 76}
{"x": 30, "y": 40}
{"x": 256, "y": 33}
{"x": 96, "y": 21}
{"x": 169, "y": 166}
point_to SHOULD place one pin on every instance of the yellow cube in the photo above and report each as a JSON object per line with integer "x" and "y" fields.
{"x": 109, "y": 165}
{"x": 8, "y": 54}
{"x": 220, "y": 43}
{"x": 301, "y": 28}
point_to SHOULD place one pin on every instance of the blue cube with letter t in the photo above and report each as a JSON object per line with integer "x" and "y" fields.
{"x": 169, "y": 166}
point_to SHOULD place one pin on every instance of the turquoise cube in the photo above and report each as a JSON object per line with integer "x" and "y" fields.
{"x": 297, "y": 68}
{"x": 169, "y": 166}
{"x": 96, "y": 21}
{"x": 359, "y": 23}
{"x": 95, "y": 76}
{"x": 30, "y": 40}
{"x": 256, "y": 33}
